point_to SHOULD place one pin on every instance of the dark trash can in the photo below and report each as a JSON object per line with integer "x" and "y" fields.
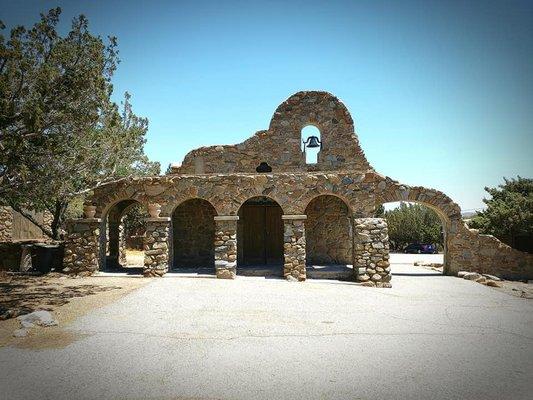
{"x": 47, "y": 256}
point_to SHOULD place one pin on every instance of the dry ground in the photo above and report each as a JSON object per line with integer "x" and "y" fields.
{"x": 428, "y": 337}
{"x": 66, "y": 298}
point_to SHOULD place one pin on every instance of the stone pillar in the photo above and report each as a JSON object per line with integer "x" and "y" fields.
{"x": 226, "y": 246}
{"x": 82, "y": 246}
{"x": 156, "y": 246}
{"x": 294, "y": 247}
{"x": 121, "y": 245}
{"x": 371, "y": 252}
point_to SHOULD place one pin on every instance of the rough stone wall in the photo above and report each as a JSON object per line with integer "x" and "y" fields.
{"x": 280, "y": 145}
{"x": 226, "y": 247}
{"x": 227, "y": 180}
{"x": 372, "y": 251}
{"x": 292, "y": 191}
{"x": 193, "y": 234}
{"x": 294, "y": 248}
{"x": 468, "y": 250}
{"x": 156, "y": 247}
{"x": 6, "y": 224}
{"x": 81, "y": 246}
{"x": 328, "y": 231}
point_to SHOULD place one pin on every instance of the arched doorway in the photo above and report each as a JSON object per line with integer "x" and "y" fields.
{"x": 260, "y": 233}
{"x": 193, "y": 234}
{"x": 121, "y": 237}
{"x": 328, "y": 231}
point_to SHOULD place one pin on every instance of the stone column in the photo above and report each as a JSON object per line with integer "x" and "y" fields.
{"x": 294, "y": 247}
{"x": 226, "y": 246}
{"x": 82, "y": 246}
{"x": 156, "y": 246}
{"x": 121, "y": 245}
{"x": 371, "y": 252}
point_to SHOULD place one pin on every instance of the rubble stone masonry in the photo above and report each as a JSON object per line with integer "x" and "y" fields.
{"x": 226, "y": 246}
{"x": 372, "y": 252}
{"x": 342, "y": 191}
{"x": 156, "y": 247}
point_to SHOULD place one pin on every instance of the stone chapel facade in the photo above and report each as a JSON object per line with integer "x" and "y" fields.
{"x": 258, "y": 203}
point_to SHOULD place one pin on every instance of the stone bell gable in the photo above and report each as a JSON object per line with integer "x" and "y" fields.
{"x": 281, "y": 145}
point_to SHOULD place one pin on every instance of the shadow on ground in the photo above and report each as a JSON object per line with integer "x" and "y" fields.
{"x": 24, "y": 294}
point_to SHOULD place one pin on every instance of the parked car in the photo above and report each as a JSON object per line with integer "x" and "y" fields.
{"x": 417, "y": 248}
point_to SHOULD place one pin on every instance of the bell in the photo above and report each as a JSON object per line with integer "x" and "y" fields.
{"x": 312, "y": 142}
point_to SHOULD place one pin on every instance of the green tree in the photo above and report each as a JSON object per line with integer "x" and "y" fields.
{"x": 60, "y": 133}
{"x": 413, "y": 223}
{"x": 509, "y": 213}
{"x": 135, "y": 221}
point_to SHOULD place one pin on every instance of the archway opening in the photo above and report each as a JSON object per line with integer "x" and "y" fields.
{"x": 417, "y": 238}
{"x": 309, "y": 135}
{"x": 193, "y": 234}
{"x": 328, "y": 231}
{"x": 260, "y": 234}
{"x": 121, "y": 238}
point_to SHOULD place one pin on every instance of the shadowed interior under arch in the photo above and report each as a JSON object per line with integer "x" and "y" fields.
{"x": 193, "y": 234}
{"x": 328, "y": 231}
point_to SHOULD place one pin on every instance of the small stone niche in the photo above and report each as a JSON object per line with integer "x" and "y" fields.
{"x": 263, "y": 167}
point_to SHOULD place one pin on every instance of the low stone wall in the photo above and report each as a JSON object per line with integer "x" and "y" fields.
{"x": 226, "y": 246}
{"x": 468, "y": 250}
{"x": 294, "y": 247}
{"x": 81, "y": 246}
{"x": 372, "y": 251}
{"x": 156, "y": 247}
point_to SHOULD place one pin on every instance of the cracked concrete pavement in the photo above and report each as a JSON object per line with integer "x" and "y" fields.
{"x": 430, "y": 336}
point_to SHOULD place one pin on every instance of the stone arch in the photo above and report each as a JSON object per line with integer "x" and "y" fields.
{"x": 311, "y": 108}
{"x": 260, "y": 232}
{"x": 445, "y": 207}
{"x": 328, "y": 229}
{"x": 243, "y": 196}
{"x": 448, "y": 211}
{"x": 193, "y": 233}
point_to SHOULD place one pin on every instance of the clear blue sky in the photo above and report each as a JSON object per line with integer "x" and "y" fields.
{"x": 441, "y": 92}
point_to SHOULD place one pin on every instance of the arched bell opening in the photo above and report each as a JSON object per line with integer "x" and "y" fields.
{"x": 311, "y": 144}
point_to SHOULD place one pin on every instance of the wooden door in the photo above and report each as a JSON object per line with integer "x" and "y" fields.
{"x": 262, "y": 234}
{"x": 273, "y": 235}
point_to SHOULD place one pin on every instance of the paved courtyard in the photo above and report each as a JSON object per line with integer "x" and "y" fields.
{"x": 429, "y": 337}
